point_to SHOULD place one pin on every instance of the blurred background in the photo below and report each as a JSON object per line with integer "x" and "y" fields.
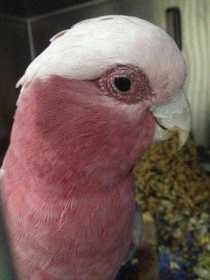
{"x": 26, "y": 26}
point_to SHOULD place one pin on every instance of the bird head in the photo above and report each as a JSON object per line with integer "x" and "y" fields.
{"x": 107, "y": 87}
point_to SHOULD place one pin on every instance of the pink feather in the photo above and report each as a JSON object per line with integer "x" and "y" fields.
{"x": 68, "y": 191}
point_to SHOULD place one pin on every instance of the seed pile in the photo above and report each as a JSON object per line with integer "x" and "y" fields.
{"x": 172, "y": 185}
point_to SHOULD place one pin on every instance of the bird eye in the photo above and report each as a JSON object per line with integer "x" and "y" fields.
{"x": 127, "y": 83}
{"x": 122, "y": 84}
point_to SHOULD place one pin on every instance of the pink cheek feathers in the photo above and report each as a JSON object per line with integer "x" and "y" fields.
{"x": 62, "y": 127}
{"x": 68, "y": 177}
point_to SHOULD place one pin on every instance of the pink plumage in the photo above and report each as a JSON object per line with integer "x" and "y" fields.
{"x": 68, "y": 191}
{"x": 71, "y": 206}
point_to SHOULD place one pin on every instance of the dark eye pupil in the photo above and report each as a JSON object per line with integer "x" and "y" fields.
{"x": 122, "y": 83}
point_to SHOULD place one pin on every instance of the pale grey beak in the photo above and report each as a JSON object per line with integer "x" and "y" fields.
{"x": 173, "y": 116}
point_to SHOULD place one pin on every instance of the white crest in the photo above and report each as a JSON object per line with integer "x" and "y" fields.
{"x": 90, "y": 47}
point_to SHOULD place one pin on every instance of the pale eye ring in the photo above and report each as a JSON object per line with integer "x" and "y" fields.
{"x": 127, "y": 83}
{"x": 122, "y": 84}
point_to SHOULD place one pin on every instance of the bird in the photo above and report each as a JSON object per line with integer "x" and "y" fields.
{"x": 89, "y": 107}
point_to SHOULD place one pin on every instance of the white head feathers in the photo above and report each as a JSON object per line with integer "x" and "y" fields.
{"x": 90, "y": 47}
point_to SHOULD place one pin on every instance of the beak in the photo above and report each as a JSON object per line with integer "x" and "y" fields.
{"x": 173, "y": 116}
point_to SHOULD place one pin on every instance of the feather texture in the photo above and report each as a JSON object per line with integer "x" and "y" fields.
{"x": 91, "y": 47}
{"x": 67, "y": 190}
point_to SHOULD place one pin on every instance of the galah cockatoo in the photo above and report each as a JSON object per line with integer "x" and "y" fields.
{"x": 89, "y": 107}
